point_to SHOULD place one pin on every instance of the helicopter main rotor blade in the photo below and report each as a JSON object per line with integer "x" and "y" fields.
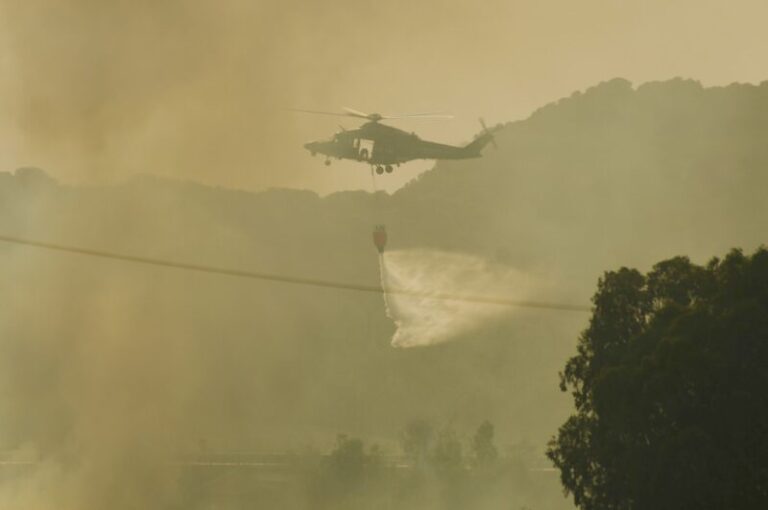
{"x": 435, "y": 115}
{"x": 356, "y": 113}
{"x": 316, "y": 112}
{"x": 375, "y": 117}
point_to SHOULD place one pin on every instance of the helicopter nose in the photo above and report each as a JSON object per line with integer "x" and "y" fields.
{"x": 311, "y": 146}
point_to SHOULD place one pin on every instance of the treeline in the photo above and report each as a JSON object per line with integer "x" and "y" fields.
{"x": 435, "y": 469}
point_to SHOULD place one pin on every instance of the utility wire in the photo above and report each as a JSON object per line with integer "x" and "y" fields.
{"x": 293, "y": 279}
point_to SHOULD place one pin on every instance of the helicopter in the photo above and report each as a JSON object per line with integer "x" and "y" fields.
{"x": 383, "y": 147}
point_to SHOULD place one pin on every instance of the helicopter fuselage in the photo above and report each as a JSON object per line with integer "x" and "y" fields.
{"x": 378, "y": 144}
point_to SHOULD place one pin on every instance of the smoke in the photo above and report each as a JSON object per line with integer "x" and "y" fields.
{"x": 99, "y": 91}
{"x": 100, "y": 381}
{"x": 423, "y": 320}
{"x": 110, "y": 372}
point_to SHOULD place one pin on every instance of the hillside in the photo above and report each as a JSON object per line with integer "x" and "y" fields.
{"x": 612, "y": 176}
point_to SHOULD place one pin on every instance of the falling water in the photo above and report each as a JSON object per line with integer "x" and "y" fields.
{"x": 411, "y": 279}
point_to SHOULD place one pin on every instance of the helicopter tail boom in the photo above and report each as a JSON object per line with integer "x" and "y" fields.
{"x": 474, "y": 148}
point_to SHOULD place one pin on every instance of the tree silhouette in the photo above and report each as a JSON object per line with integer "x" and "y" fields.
{"x": 669, "y": 388}
{"x": 482, "y": 445}
{"x": 344, "y": 476}
{"x": 348, "y": 461}
{"x": 416, "y": 440}
{"x": 447, "y": 455}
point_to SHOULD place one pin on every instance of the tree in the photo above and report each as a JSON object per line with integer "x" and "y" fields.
{"x": 669, "y": 385}
{"x": 447, "y": 458}
{"x": 344, "y": 476}
{"x": 348, "y": 461}
{"x": 416, "y": 440}
{"x": 482, "y": 444}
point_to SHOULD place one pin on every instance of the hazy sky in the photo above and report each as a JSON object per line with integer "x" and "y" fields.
{"x": 96, "y": 91}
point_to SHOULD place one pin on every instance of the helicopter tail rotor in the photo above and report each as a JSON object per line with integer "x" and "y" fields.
{"x": 488, "y": 132}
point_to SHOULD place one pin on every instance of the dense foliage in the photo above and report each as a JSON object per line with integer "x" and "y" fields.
{"x": 669, "y": 385}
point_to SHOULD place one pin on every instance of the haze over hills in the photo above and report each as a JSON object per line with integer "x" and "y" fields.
{"x": 129, "y": 355}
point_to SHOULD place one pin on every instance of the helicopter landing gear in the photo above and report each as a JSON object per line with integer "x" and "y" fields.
{"x": 388, "y": 168}
{"x": 327, "y": 162}
{"x": 379, "y": 169}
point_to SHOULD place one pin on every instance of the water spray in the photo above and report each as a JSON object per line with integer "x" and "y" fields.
{"x": 414, "y": 281}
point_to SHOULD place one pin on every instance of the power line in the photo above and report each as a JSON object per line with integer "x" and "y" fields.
{"x": 292, "y": 279}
